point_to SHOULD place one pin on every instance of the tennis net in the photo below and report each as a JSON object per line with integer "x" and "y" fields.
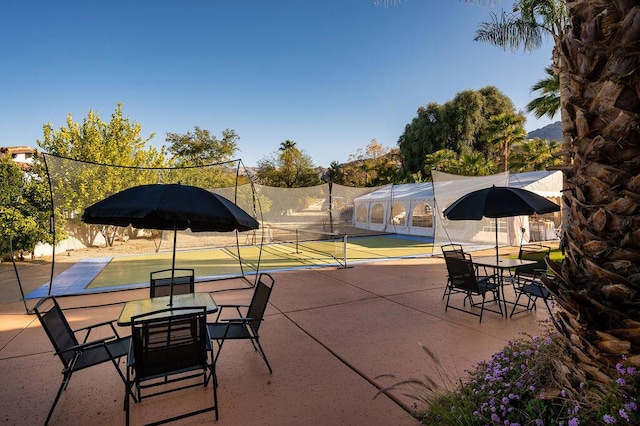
{"x": 305, "y": 242}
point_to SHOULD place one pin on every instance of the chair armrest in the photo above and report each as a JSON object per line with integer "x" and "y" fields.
{"x": 237, "y": 308}
{"x": 100, "y": 324}
{"x": 239, "y": 320}
{"x": 85, "y": 345}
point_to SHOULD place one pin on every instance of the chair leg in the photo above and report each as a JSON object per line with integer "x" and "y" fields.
{"x": 262, "y": 354}
{"x": 214, "y": 385}
{"x": 63, "y": 386}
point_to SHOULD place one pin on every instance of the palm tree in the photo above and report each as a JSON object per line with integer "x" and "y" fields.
{"x": 548, "y": 103}
{"x": 598, "y": 283}
{"x": 525, "y": 28}
{"x": 534, "y": 154}
{"x": 502, "y": 132}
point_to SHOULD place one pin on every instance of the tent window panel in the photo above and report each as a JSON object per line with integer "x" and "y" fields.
{"x": 422, "y": 216}
{"x": 377, "y": 214}
{"x": 398, "y": 215}
{"x": 361, "y": 213}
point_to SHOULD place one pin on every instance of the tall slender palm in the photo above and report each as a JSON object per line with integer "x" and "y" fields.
{"x": 502, "y": 132}
{"x": 548, "y": 103}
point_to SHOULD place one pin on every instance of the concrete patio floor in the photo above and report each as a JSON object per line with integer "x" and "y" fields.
{"x": 334, "y": 338}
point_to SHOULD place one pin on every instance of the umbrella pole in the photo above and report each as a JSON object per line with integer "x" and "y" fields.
{"x": 497, "y": 241}
{"x": 173, "y": 264}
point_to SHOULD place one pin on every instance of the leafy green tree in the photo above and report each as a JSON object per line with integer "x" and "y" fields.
{"x": 474, "y": 164}
{"x": 201, "y": 148}
{"x": 548, "y": 103}
{"x": 456, "y": 125}
{"x": 501, "y": 133}
{"x": 442, "y": 160}
{"x": 534, "y": 154}
{"x": 117, "y": 142}
{"x": 289, "y": 167}
{"x": 471, "y": 164}
{"x": 24, "y": 208}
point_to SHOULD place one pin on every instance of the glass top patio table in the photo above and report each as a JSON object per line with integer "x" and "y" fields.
{"x": 501, "y": 264}
{"x": 133, "y": 308}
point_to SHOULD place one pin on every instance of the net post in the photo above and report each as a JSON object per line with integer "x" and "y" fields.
{"x": 344, "y": 251}
{"x": 297, "y": 241}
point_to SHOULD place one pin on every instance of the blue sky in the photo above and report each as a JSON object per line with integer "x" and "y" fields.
{"x": 330, "y": 75}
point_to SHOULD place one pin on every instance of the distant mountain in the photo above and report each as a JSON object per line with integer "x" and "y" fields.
{"x": 551, "y": 131}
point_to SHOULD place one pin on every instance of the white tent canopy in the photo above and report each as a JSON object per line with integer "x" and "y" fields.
{"x": 412, "y": 209}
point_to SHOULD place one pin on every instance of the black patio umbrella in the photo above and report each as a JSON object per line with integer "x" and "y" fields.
{"x": 496, "y": 202}
{"x": 170, "y": 207}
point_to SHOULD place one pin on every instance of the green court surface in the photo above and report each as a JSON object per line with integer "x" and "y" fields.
{"x": 220, "y": 262}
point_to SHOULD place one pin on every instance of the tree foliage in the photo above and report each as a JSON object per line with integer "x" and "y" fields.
{"x": 548, "y": 102}
{"x": 117, "y": 142}
{"x": 289, "y": 167}
{"x": 502, "y": 131}
{"x": 456, "y": 126}
{"x": 534, "y": 154}
{"x": 24, "y": 208}
{"x": 201, "y": 148}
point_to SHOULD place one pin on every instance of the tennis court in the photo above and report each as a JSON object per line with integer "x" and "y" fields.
{"x": 132, "y": 271}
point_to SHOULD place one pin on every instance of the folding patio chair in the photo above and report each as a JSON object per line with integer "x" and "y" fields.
{"x": 160, "y": 283}
{"x": 528, "y": 278}
{"x": 170, "y": 346}
{"x": 247, "y": 326}
{"x": 74, "y": 355}
{"x": 451, "y": 250}
{"x": 464, "y": 279}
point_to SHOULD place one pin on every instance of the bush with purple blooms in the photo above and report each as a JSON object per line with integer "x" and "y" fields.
{"x": 517, "y": 387}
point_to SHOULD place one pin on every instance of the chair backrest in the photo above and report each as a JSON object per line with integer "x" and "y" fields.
{"x": 461, "y": 273}
{"x": 169, "y": 341}
{"x": 183, "y": 283}
{"x": 536, "y": 253}
{"x": 57, "y": 327}
{"x": 454, "y": 250}
{"x": 260, "y": 299}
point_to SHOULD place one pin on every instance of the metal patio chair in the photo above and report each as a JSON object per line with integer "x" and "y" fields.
{"x": 451, "y": 250}
{"x": 160, "y": 283}
{"x": 528, "y": 278}
{"x": 244, "y": 327}
{"x": 77, "y": 355}
{"x": 463, "y": 279}
{"x": 170, "y": 346}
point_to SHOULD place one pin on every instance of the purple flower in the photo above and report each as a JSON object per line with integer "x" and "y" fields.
{"x": 631, "y": 406}
{"x": 623, "y": 414}
{"x": 631, "y": 370}
{"x": 495, "y": 417}
{"x": 539, "y": 422}
{"x": 608, "y": 419}
{"x": 620, "y": 381}
{"x": 620, "y": 368}
{"x": 574, "y": 422}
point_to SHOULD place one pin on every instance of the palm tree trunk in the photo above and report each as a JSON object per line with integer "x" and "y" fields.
{"x": 598, "y": 283}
